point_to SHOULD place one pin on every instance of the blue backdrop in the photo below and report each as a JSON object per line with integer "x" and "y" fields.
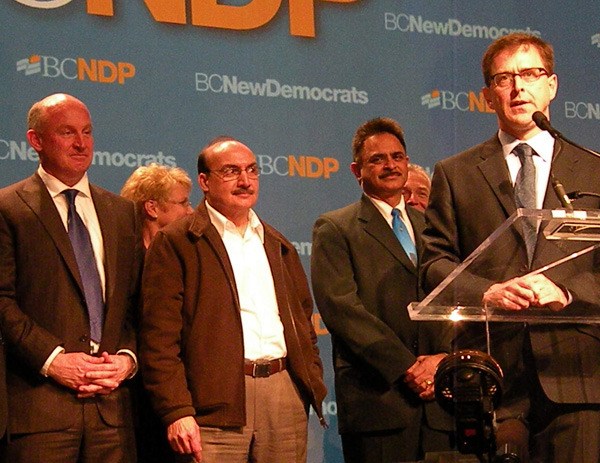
{"x": 292, "y": 79}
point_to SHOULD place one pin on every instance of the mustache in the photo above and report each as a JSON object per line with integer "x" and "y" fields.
{"x": 389, "y": 172}
{"x": 244, "y": 190}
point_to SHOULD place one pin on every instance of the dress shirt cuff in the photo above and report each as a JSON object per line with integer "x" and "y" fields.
{"x": 50, "y": 359}
{"x": 133, "y": 357}
{"x": 569, "y": 297}
{"x": 566, "y": 292}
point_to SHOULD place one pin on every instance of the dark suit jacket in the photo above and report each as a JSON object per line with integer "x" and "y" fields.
{"x": 472, "y": 196}
{"x": 41, "y": 301}
{"x": 363, "y": 281}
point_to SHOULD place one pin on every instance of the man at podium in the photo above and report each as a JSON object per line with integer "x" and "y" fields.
{"x": 551, "y": 405}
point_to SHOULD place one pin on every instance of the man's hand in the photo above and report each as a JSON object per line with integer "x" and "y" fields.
{"x": 105, "y": 377}
{"x": 71, "y": 369}
{"x": 547, "y": 293}
{"x": 524, "y": 292}
{"x": 420, "y": 376}
{"x": 184, "y": 437}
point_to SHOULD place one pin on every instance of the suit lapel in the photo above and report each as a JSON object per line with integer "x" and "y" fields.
{"x": 202, "y": 226}
{"x": 273, "y": 250}
{"x": 417, "y": 221}
{"x": 37, "y": 198}
{"x": 108, "y": 228}
{"x": 375, "y": 225}
{"x": 495, "y": 171}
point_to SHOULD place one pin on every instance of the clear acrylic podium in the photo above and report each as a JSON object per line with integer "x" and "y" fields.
{"x": 567, "y": 252}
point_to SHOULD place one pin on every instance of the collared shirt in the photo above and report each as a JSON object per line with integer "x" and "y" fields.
{"x": 261, "y": 324}
{"x": 87, "y": 211}
{"x": 543, "y": 145}
{"x": 386, "y": 211}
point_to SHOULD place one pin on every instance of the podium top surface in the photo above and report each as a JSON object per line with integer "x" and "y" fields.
{"x": 567, "y": 252}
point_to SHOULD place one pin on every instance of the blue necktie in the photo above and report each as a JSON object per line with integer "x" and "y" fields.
{"x": 84, "y": 253}
{"x": 525, "y": 195}
{"x": 403, "y": 236}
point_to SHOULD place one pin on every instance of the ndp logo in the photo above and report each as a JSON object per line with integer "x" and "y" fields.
{"x": 301, "y": 166}
{"x": 209, "y": 13}
{"x": 456, "y": 101}
{"x": 94, "y": 70}
{"x": 582, "y": 110}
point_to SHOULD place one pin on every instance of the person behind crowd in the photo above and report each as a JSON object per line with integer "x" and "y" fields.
{"x": 70, "y": 259}
{"x": 162, "y": 194}
{"x": 417, "y": 188}
{"x": 551, "y": 374}
{"x": 363, "y": 277}
{"x": 228, "y": 351}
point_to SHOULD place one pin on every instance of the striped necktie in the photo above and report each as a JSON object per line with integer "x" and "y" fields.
{"x": 525, "y": 194}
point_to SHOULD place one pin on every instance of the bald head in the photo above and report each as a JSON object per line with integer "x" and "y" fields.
{"x": 60, "y": 130}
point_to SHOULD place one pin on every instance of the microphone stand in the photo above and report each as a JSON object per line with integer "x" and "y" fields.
{"x": 543, "y": 123}
{"x": 580, "y": 194}
{"x": 576, "y": 145}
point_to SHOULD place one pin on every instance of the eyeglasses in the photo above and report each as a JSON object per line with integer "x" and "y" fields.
{"x": 507, "y": 79}
{"x": 229, "y": 173}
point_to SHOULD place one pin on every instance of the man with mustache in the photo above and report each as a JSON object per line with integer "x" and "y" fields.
{"x": 364, "y": 275}
{"x": 229, "y": 354}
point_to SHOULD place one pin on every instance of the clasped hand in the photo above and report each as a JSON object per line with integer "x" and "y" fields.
{"x": 89, "y": 375}
{"x": 524, "y": 292}
{"x": 420, "y": 376}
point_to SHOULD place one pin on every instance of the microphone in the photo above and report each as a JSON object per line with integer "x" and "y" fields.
{"x": 561, "y": 194}
{"x": 543, "y": 123}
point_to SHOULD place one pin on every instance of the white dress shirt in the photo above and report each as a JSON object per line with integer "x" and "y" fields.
{"x": 386, "y": 211}
{"x": 543, "y": 145}
{"x": 87, "y": 211}
{"x": 261, "y": 324}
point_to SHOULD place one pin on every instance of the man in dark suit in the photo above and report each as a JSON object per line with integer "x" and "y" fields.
{"x": 66, "y": 363}
{"x": 363, "y": 279}
{"x": 552, "y": 374}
